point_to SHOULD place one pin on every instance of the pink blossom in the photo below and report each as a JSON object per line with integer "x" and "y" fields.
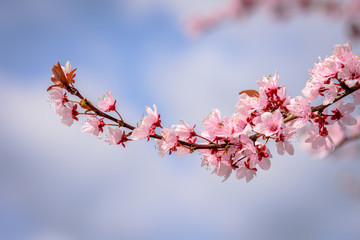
{"x": 56, "y": 94}
{"x": 68, "y": 114}
{"x": 213, "y": 120}
{"x": 342, "y": 113}
{"x": 337, "y": 134}
{"x": 332, "y": 92}
{"x": 210, "y": 159}
{"x": 311, "y": 90}
{"x": 223, "y": 169}
{"x": 215, "y": 127}
{"x": 269, "y": 123}
{"x": 282, "y": 142}
{"x": 107, "y": 104}
{"x": 269, "y": 82}
{"x": 116, "y": 136}
{"x": 350, "y": 73}
{"x": 245, "y": 172}
{"x": 300, "y": 107}
{"x": 246, "y": 105}
{"x": 59, "y": 98}
{"x": 148, "y": 125}
{"x": 261, "y": 157}
{"x": 184, "y": 131}
{"x": 325, "y": 70}
{"x": 239, "y": 126}
{"x": 93, "y": 125}
{"x": 320, "y": 82}
{"x": 343, "y": 51}
{"x": 168, "y": 142}
{"x": 182, "y": 151}
{"x": 317, "y": 141}
{"x": 67, "y": 68}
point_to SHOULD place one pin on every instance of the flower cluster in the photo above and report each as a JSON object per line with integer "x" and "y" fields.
{"x": 239, "y": 143}
{"x": 348, "y": 11}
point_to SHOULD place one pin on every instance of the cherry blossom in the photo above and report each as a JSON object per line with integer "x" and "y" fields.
{"x": 282, "y": 142}
{"x": 107, "y": 104}
{"x": 148, "y": 125}
{"x": 342, "y": 113}
{"x": 184, "y": 131}
{"x": 68, "y": 114}
{"x": 269, "y": 123}
{"x": 116, "y": 136}
{"x": 238, "y": 143}
{"x": 168, "y": 141}
{"x": 300, "y": 107}
{"x": 245, "y": 172}
{"x": 237, "y": 10}
{"x": 93, "y": 125}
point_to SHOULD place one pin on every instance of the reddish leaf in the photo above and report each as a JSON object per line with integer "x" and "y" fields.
{"x": 70, "y": 76}
{"x": 251, "y": 93}
{"x": 59, "y": 76}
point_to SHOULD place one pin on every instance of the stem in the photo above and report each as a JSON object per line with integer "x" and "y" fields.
{"x": 119, "y": 115}
{"x": 196, "y": 146}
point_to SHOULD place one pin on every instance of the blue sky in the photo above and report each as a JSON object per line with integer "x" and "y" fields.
{"x": 58, "y": 183}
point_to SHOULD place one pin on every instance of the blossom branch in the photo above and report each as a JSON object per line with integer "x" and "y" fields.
{"x": 233, "y": 143}
{"x": 280, "y": 9}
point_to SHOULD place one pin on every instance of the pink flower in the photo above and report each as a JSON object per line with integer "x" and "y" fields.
{"x": 182, "y": 151}
{"x": 56, "y": 94}
{"x": 311, "y": 90}
{"x": 210, "y": 159}
{"x": 342, "y": 113}
{"x": 245, "y": 172}
{"x": 68, "y": 114}
{"x": 148, "y": 125}
{"x": 93, "y": 125}
{"x": 223, "y": 169}
{"x": 332, "y": 92}
{"x": 215, "y": 128}
{"x": 116, "y": 136}
{"x": 350, "y": 73}
{"x": 317, "y": 141}
{"x": 336, "y": 132}
{"x": 260, "y": 157}
{"x": 108, "y": 103}
{"x": 184, "y": 131}
{"x": 320, "y": 82}
{"x": 212, "y": 121}
{"x": 300, "y": 107}
{"x": 325, "y": 70}
{"x": 282, "y": 142}
{"x": 246, "y": 105}
{"x": 168, "y": 142}
{"x": 67, "y": 68}
{"x": 239, "y": 126}
{"x": 343, "y": 51}
{"x": 59, "y": 98}
{"x": 269, "y": 123}
{"x": 268, "y": 83}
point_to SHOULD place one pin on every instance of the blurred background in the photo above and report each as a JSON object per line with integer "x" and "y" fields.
{"x": 57, "y": 183}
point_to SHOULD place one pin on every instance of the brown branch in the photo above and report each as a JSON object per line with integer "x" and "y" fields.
{"x": 196, "y": 146}
{"x": 121, "y": 123}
